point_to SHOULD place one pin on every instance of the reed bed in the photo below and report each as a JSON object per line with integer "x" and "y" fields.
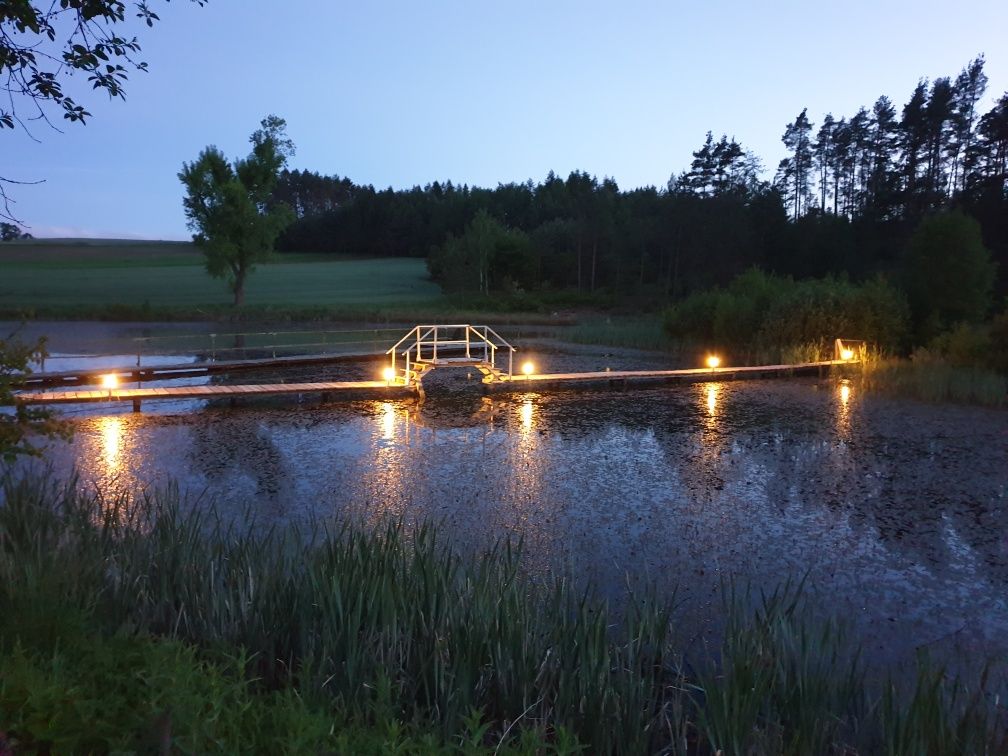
{"x": 932, "y": 380}
{"x": 394, "y": 621}
{"x": 622, "y": 332}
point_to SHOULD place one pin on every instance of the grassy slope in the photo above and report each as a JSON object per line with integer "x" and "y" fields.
{"x": 53, "y": 275}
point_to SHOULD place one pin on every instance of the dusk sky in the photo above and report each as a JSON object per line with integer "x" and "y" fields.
{"x": 398, "y": 94}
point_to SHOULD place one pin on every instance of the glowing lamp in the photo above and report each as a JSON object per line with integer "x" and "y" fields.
{"x": 110, "y": 381}
{"x": 388, "y": 374}
{"x": 713, "y": 361}
{"x": 528, "y": 368}
{"x": 847, "y": 354}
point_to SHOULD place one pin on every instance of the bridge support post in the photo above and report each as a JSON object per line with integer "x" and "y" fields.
{"x": 136, "y": 405}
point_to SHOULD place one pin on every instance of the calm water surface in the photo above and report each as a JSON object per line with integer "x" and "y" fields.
{"x": 894, "y": 511}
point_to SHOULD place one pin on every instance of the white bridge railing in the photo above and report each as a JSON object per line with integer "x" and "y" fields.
{"x": 478, "y": 343}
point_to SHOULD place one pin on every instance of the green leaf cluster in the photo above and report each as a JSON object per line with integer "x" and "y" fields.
{"x": 19, "y": 425}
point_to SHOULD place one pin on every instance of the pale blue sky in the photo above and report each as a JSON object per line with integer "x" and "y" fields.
{"x": 403, "y": 93}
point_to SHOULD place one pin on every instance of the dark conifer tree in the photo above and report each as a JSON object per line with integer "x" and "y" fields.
{"x": 970, "y": 86}
{"x": 794, "y": 171}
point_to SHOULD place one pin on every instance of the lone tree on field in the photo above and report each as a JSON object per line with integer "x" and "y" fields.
{"x": 228, "y": 206}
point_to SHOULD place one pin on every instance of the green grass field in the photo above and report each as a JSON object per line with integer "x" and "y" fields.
{"x": 64, "y": 276}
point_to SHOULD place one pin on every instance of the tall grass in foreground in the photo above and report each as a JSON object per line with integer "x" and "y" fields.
{"x": 395, "y": 621}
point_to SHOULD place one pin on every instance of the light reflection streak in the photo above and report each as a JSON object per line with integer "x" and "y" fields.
{"x": 707, "y": 462}
{"x": 526, "y": 465}
{"x": 844, "y": 411}
{"x": 527, "y": 417}
{"x": 111, "y": 429}
{"x": 111, "y": 467}
{"x": 711, "y": 396}
{"x": 388, "y": 421}
{"x": 387, "y": 475}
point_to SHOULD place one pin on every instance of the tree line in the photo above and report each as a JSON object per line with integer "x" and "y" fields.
{"x": 881, "y": 165}
{"x": 844, "y": 201}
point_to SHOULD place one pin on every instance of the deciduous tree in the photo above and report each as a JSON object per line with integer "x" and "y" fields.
{"x": 948, "y": 272}
{"x": 228, "y": 206}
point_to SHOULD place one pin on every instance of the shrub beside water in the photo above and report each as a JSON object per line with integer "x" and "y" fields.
{"x": 760, "y": 317}
{"x": 968, "y": 364}
{"x": 341, "y": 640}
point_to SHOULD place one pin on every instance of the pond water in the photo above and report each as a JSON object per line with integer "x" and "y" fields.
{"x": 895, "y": 512}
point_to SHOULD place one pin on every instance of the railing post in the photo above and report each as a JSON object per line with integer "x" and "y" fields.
{"x": 419, "y": 351}
{"x": 468, "y": 356}
{"x": 511, "y": 363}
{"x": 486, "y": 343}
{"x": 435, "y": 343}
{"x": 406, "y": 375}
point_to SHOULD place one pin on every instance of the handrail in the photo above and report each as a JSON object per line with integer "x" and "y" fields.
{"x": 425, "y": 335}
{"x": 503, "y": 342}
{"x": 396, "y": 345}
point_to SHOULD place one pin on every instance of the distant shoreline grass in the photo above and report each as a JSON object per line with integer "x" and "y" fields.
{"x": 293, "y": 639}
{"x": 933, "y": 381}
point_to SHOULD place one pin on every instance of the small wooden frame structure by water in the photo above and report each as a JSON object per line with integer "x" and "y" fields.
{"x": 419, "y": 351}
{"x": 422, "y": 349}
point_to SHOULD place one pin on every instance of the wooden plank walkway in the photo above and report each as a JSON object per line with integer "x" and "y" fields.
{"x": 384, "y": 389}
{"x": 134, "y": 373}
{"x": 137, "y": 395}
{"x": 718, "y": 373}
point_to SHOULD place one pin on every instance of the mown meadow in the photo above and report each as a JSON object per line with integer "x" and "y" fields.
{"x": 164, "y": 279}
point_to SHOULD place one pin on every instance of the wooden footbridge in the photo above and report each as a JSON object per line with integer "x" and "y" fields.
{"x": 423, "y": 349}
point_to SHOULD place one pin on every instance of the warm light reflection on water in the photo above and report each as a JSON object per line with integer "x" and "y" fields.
{"x": 388, "y": 421}
{"x": 712, "y": 397}
{"x": 110, "y": 466}
{"x": 387, "y": 477}
{"x": 527, "y": 416}
{"x": 526, "y": 467}
{"x": 844, "y": 411}
{"x": 711, "y": 437}
{"x": 111, "y": 429}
